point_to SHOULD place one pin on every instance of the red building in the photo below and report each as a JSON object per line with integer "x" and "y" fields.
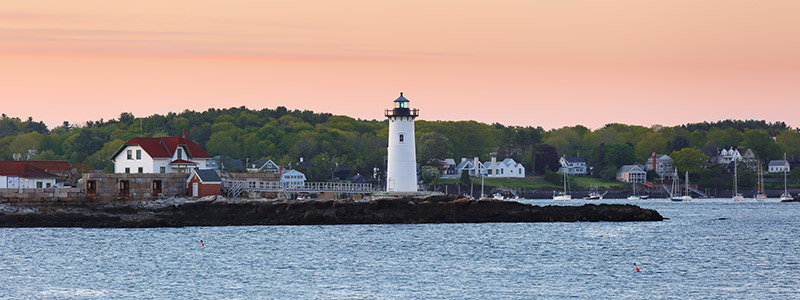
{"x": 204, "y": 183}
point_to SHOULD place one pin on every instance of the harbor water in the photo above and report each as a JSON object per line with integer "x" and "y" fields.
{"x": 709, "y": 248}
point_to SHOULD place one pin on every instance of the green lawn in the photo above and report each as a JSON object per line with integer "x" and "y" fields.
{"x": 538, "y": 182}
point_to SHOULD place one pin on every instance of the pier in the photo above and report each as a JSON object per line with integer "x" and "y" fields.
{"x": 234, "y": 188}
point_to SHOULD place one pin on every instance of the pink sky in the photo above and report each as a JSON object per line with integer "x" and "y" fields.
{"x": 539, "y": 63}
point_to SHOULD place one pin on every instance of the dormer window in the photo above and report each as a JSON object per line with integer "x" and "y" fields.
{"x": 180, "y": 153}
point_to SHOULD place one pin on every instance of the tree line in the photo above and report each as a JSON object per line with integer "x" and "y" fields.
{"x": 328, "y": 142}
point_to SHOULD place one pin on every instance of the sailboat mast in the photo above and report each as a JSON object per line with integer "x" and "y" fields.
{"x": 687, "y": 183}
{"x": 735, "y": 178}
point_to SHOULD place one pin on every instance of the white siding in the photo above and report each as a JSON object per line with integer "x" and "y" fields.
{"x": 121, "y": 161}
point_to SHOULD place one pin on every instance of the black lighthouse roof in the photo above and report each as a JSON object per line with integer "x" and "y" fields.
{"x": 401, "y": 98}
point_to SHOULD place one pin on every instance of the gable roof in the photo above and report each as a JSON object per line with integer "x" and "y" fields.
{"x": 164, "y": 147}
{"x": 207, "y": 176}
{"x": 23, "y": 169}
{"x": 575, "y": 159}
{"x": 779, "y": 162}
{"x": 630, "y": 168}
{"x": 47, "y": 165}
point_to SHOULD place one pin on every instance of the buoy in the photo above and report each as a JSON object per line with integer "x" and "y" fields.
{"x": 637, "y": 268}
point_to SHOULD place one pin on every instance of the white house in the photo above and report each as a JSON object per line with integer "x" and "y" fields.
{"x": 506, "y": 168}
{"x": 747, "y": 156}
{"x": 470, "y": 167}
{"x": 662, "y": 164}
{"x": 631, "y": 174}
{"x": 267, "y": 167}
{"x": 448, "y": 169}
{"x": 19, "y": 174}
{"x": 293, "y": 179}
{"x": 159, "y": 155}
{"x": 573, "y": 165}
{"x": 779, "y": 166}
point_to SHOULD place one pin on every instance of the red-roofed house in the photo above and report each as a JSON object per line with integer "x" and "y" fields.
{"x": 23, "y": 174}
{"x": 159, "y": 155}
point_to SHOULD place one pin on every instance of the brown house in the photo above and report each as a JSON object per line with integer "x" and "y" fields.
{"x": 204, "y": 183}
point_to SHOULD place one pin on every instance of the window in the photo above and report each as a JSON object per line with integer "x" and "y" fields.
{"x": 163, "y": 169}
{"x": 138, "y": 154}
{"x": 141, "y": 170}
{"x": 49, "y": 185}
{"x": 130, "y": 154}
{"x": 127, "y": 170}
{"x": 490, "y": 171}
{"x": 180, "y": 153}
{"x": 38, "y": 184}
{"x": 401, "y": 137}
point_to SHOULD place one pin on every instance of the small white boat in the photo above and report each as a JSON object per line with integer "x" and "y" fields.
{"x": 595, "y": 195}
{"x": 761, "y": 195}
{"x": 562, "y": 196}
{"x": 785, "y": 196}
{"x": 736, "y": 195}
{"x": 497, "y": 196}
{"x": 634, "y": 196}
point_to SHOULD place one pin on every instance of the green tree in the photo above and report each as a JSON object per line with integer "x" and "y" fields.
{"x": 762, "y": 144}
{"x": 689, "y": 159}
{"x": 432, "y": 148}
{"x": 222, "y": 143}
{"x": 430, "y": 174}
{"x": 465, "y": 180}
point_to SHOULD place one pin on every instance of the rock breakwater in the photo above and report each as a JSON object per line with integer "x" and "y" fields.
{"x": 219, "y": 211}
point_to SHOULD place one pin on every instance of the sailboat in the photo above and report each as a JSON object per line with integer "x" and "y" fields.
{"x": 634, "y": 196}
{"x": 563, "y": 195}
{"x": 687, "y": 196}
{"x": 760, "y": 194}
{"x": 785, "y": 196}
{"x": 736, "y": 195}
{"x": 675, "y": 190}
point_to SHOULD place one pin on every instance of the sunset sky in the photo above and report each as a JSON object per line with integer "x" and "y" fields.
{"x": 542, "y": 63}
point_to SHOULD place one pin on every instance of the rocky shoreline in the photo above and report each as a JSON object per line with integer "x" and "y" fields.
{"x": 219, "y": 211}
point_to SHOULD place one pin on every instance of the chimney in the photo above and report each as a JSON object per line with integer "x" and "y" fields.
{"x": 654, "y": 161}
{"x": 494, "y": 166}
{"x": 184, "y": 133}
{"x": 463, "y": 159}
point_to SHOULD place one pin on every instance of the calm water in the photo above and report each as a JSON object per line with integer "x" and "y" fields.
{"x": 755, "y": 253}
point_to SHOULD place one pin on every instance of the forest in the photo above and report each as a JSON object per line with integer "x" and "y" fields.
{"x": 332, "y": 142}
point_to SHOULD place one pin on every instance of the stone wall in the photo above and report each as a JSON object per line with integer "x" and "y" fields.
{"x": 133, "y": 187}
{"x": 52, "y": 197}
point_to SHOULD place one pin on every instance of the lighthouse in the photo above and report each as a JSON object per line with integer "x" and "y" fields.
{"x": 401, "y": 172}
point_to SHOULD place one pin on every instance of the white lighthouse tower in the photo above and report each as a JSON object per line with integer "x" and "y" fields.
{"x": 401, "y": 172}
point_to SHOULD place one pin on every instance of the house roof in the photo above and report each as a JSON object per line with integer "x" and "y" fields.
{"x": 449, "y": 161}
{"x": 23, "y": 169}
{"x": 630, "y": 168}
{"x": 292, "y": 172}
{"x": 165, "y": 147}
{"x": 208, "y": 176}
{"x": 575, "y": 159}
{"x": 182, "y": 162}
{"x": 779, "y": 162}
{"x": 49, "y": 165}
